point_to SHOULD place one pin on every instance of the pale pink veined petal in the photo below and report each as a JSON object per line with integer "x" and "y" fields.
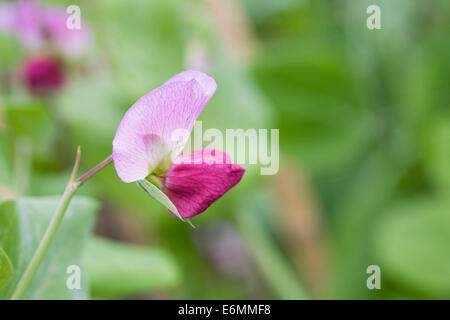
{"x": 207, "y": 83}
{"x": 145, "y": 140}
{"x": 198, "y": 179}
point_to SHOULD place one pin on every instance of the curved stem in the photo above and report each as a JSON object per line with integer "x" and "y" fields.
{"x": 57, "y": 217}
{"x": 45, "y": 242}
{"x": 95, "y": 169}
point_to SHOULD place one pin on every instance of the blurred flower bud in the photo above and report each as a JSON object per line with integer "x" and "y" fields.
{"x": 42, "y": 75}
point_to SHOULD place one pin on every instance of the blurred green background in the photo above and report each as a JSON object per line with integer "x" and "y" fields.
{"x": 364, "y": 179}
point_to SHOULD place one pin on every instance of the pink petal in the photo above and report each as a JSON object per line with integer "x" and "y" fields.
{"x": 7, "y": 12}
{"x": 71, "y": 42}
{"x": 194, "y": 187}
{"x": 207, "y": 83}
{"x": 26, "y": 23}
{"x": 144, "y": 140}
{"x": 36, "y": 26}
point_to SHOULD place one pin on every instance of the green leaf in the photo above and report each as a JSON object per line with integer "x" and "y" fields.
{"x": 159, "y": 196}
{"x": 117, "y": 270}
{"x": 437, "y": 152}
{"x": 308, "y": 82}
{"x": 22, "y": 226}
{"x": 10, "y": 52}
{"x": 412, "y": 244}
{"x": 27, "y": 118}
{"x": 354, "y": 213}
{"x": 162, "y": 36}
{"x": 6, "y": 156}
{"x": 6, "y": 268}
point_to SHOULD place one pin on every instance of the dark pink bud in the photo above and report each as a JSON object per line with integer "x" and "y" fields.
{"x": 42, "y": 75}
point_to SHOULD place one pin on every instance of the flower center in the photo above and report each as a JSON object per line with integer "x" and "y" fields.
{"x": 156, "y": 181}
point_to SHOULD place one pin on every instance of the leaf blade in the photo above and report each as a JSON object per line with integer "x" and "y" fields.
{"x": 6, "y": 268}
{"x": 118, "y": 270}
{"x": 22, "y": 225}
{"x": 159, "y": 196}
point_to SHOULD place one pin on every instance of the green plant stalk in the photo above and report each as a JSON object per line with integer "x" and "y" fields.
{"x": 22, "y": 163}
{"x": 45, "y": 242}
{"x": 57, "y": 217}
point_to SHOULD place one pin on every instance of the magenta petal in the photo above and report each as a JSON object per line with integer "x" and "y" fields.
{"x": 144, "y": 140}
{"x": 42, "y": 74}
{"x": 194, "y": 187}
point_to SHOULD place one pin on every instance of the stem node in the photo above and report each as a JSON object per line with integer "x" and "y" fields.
{"x": 71, "y": 189}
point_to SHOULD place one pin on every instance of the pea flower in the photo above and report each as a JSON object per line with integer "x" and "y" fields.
{"x": 39, "y": 27}
{"x": 42, "y": 74}
{"x": 145, "y": 147}
{"x": 43, "y": 32}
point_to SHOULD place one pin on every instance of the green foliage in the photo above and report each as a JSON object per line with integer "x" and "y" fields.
{"x": 320, "y": 117}
{"x": 22, "y": 225}
{"x": 6, "y": 268}
{"x": 412, "y": 243}
{"x": 364, "y": 114}
{"x": 437, "y": 152}
{"x": 9, "y": 53}
{"x": 279, "y": 275}
{"x": 5, "y": 160}
{"x": 353, "y": 218}
{"x": 147, "y": 34}
{"x": 28, "y": 118}
{"x": 118, "y": 270}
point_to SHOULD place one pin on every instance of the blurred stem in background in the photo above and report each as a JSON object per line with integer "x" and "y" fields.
{"x": 23, "y": 158}
{"x": 235, "y": 29}
{"x": 301, "y": 226}
{"x": 274, "y": 267}
{"x": 57, "y": 217}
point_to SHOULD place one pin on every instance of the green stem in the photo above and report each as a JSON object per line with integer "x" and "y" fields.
{"x": 45, "y": 242}
{"x": 57, "y": 217}
{"x": 22, "y": 163}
